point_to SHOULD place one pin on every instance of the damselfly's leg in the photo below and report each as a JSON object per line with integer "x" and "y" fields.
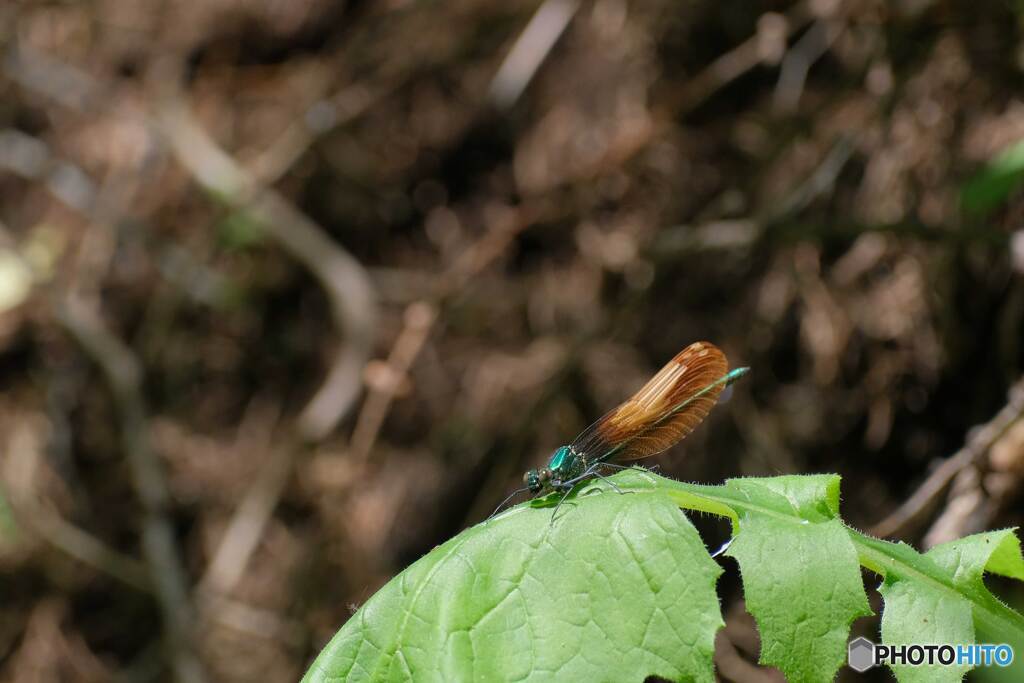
{"x": 587, "y": 474}
{"x": 592, "y": 472}
{"x": 561, "y": 500}
{"x": 504, "y": 502}
{"x": 609, "y": 482}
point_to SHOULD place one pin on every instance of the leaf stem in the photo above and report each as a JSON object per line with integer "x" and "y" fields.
{"x": 996, "y": 622}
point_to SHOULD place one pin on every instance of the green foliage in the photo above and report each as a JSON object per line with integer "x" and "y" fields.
{"x": 239, "y": 230}
{"x": 611, "y": 588}
{"x": 787, "y": 597}
{"x": 8, "y": 529}
{"x": 995, "y": 182}
{"x": 620, "y": 587}
{"x": 938, "y": 597}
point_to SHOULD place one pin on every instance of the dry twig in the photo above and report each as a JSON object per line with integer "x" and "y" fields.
{"x": 971, "y": 506}
{"x": 346, "y": 283}
{"x": 167, "y": 571}
{"x": 530, "y": 49}
{"x": 420, "y": 317}
{"x": 712, "y": 78}
{"x": 353, "y": 309}
{"x": 981, "y": 440}
{"x": 84, "y": 547}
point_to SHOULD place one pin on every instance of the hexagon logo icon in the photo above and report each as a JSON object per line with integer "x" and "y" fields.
{"x": 861, "y": 654}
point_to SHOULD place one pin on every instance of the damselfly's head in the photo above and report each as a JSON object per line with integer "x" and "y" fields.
{"x": 564, "y": 464}
{"x": 537, "y": 479}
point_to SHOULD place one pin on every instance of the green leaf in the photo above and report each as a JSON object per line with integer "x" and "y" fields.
{"x": 8, "y": 529}
{"x": 916, "y": 612}
{"x": 1006, "y": 559}
{"x": 618, "y": 587}
{"x": 995, "y": 182}
{"x": 800, "y": 573}
{"x": 239, "y": 230}
{"x": 919, "y": 609}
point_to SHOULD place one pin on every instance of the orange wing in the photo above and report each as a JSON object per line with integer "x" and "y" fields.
{"x": 663, "y": 411}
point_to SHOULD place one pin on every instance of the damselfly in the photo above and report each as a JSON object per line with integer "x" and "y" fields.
{"x": 660, "y": 414}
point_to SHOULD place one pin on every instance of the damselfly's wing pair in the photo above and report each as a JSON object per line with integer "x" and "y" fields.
{"x": 664, "y": 411}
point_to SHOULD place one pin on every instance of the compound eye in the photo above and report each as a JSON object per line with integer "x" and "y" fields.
{"x": 531, "y": 479}
{"x": 545, "y": 475}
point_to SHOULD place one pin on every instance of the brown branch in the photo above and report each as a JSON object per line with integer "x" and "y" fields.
{"x": 420, "y": 317}
{"x": 798, "y": 61}
{"x": 248, "y": 522}
{"x": 124, "y": 377}
{"x": 82, "y": 546}
{"x": 418, "y": 320}
{"x": 323, "y": 115}
{"x": 346, "y": 283}
{"x": 79, "y": 544}
{"x": 348, "y": 288}
{"x": 353, "y": 308}
{"x": 978, "y": 491}
{"x": 733, "y": 667}
{"x": 123, "y": 374}
{"x": 979, "y": 442}
{"x": 530, "y": 50}
{"x": 697, "y": 90}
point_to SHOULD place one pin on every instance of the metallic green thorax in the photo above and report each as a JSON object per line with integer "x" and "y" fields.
{"x": 562, "y": 460}
{"x": 565, "y": 464}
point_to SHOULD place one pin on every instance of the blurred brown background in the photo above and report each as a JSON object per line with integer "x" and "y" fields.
{"x": 293, "y": 291}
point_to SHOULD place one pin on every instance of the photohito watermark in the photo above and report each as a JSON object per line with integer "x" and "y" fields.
{"x": 863, "y": 654}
